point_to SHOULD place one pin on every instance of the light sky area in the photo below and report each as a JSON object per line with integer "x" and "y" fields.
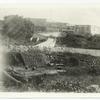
{"x": 73, "y": 14}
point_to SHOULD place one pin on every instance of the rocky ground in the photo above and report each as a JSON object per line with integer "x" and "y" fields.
{"x": 49, "y": 76}
{"x": 58, "y": 83}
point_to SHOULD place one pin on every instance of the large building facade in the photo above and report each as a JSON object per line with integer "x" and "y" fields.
{"x": 55, "y": 26}
{"x": 42, "y": 25}
{"x": 87, "y": 29}
{"x": 82, "y": 29}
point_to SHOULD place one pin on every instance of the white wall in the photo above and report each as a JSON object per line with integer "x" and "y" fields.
{"x": 95, "y": 30}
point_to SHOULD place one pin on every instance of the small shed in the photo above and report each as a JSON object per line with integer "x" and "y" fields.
{"x": 38, "y": 38}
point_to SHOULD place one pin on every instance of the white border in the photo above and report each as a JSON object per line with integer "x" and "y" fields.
{"x": 39, "y": 94}
{"x": 49, "y": 1}
{"x": 47, "y": 95}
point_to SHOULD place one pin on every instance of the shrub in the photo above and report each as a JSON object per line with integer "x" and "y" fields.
{"x": 18, "y": 28}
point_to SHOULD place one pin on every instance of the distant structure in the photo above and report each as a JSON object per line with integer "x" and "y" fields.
{"x": 69, "y": 29}
{"x": 36, "y": 38}
{"x": 87, "y": 29}
{"x": 55, "y": 26}
{"x": 94, "y": 29}
{"x": 82, "y": 29}
{"x": 46, "y": 39}
{"x": 41, "y": 25}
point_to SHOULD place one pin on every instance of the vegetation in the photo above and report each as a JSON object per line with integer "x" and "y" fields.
{"x": 78, "y": 41}
{"x": 18, "y": 28}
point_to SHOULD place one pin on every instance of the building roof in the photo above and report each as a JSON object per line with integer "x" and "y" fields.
{"x": 38, "y": 36}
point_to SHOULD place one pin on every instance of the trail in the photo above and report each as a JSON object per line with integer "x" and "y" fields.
{"x": 50, "y": 43}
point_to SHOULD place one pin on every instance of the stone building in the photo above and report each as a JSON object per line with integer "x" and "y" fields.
{"x": 87, "y": 29}
{"x": 55, "y": 26}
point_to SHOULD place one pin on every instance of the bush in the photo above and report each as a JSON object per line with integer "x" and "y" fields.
{"x": 78, "y": 41}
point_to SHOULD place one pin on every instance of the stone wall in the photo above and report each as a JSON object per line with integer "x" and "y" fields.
{"x": 55, "y": 60}
{"x": 74, "y": 59}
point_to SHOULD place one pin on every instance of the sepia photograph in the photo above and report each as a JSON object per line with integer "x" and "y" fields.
{"x": 48, "y": 48}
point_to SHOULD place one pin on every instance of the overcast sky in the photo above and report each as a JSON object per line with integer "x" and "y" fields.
{"x": 74, "y": 14}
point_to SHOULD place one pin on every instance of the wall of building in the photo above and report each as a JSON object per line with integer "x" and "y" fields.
{"x": 86, "y": 29}
{"x": 95, "y": 30}
{"x": 52, "y": 29}
{"x": 69, "y": 29}
{"x": 82, "y": 29}
{"x": 55, "y": 26}
{"x": 78, "y": 29}
{"x": 41, "y": 25}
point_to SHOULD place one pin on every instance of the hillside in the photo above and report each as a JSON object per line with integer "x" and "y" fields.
{"x": 78, "y": 41}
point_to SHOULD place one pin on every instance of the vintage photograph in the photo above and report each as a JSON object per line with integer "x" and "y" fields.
{"x": 50, "y": 48}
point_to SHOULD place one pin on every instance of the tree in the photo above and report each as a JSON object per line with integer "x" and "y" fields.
{"x": 17, "y": 27}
